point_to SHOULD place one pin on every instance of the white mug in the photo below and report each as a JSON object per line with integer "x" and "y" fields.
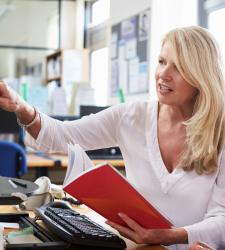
{"x": 36, "y": 200}
{"x": 41, "y": 196}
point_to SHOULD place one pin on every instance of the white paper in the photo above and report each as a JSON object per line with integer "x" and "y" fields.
{"x": 58, "y": 102}
{"x": 123, "y": 75}
{"x": 143, "y": 76}
{"x": 85, "y": 95}
{"x": 123, "y": 68}
{"x": 113, "y": 50}
{"x": 128, "y": 28}
{"x": 78, "y": 162}
{"x": 9, "y": 225}
{"x": 121, "y": 51}
{"x": 114, "y": 37}
{"x": 73, "y": 66}
{"x": 114, "y": 76}
{"x": 131, "y": 49}
{"x": 134, "y": 75}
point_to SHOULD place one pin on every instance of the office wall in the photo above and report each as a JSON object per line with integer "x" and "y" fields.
{"x": 6, "y": 63}
{"x": 29, "y": 22}
{"x": 165, "y": 15}
{"x": 79, "y": 23}
{"x": 22, "y": 26}
{"x": 68, "y": 25}
{"x": 120, "y": 10}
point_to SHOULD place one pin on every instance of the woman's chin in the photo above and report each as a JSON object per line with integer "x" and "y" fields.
{"x": 165, "y": 99}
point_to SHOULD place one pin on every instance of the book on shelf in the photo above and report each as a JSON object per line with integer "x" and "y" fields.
{"x": 107, "y": 192}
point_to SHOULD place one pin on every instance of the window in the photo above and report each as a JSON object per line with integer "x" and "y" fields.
{"x": 97, "y": 13}
{"x": 53, "y": 31}
{"x": 99, "y": 75}
{"x": 216, "y": 17}
{"x": 100, "y": 12}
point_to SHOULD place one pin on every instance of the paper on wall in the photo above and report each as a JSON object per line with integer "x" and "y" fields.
{"x": 131, "y": 49}
{"x": 73, "y": 66}
{"x": 58, "y": 102}
{"x": 134, "y": 75}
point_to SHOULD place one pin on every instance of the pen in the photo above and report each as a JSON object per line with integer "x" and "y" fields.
{"x": 12, "y": 183}
{"x": 19, "y": 183}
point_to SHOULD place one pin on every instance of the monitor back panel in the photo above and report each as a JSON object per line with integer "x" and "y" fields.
{"x": 8, "y": 123}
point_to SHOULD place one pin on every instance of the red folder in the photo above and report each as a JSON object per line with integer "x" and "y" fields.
{"x": 107, "y": 192}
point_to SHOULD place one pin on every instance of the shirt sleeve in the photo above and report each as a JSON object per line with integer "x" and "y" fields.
{"x": 212, "y": 229}
{"x": 91, "y": 132}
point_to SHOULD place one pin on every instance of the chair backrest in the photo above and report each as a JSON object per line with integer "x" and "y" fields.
{"x": 12, "y": 159}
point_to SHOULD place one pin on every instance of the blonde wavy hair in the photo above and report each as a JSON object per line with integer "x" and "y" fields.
{"x": 198, "y": 60}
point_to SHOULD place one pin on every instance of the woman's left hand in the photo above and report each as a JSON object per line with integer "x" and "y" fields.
{"x": 199, "y": 246}
{"x": 141, "y": 235}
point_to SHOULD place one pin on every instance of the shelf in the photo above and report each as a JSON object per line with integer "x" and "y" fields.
{"x": 57, "y": 78}
{"x": 54, "y": 55}
{"x": 67, "y": 65}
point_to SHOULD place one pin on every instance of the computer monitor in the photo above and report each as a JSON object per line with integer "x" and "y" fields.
{"x": 65, "y": 118}
{"x": 8, "y": 123}
{"x": 104, "y": 153}
{"x": 91, "y": 109}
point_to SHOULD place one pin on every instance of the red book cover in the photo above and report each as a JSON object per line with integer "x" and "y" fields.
{"x": 107, "y": 192}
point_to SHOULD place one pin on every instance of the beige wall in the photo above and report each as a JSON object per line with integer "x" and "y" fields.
{"x": 27, "y": 25}
{"x": 168, "y": 14}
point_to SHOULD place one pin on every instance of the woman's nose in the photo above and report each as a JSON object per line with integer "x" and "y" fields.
{"x": 165, "y": 73}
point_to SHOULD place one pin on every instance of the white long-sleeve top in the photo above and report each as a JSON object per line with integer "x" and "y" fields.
{"x": 194, "y": 202}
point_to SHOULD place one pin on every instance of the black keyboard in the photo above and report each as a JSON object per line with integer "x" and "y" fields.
{"x": 76, "y": 228}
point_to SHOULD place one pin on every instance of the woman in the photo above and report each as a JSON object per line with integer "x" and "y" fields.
{"x": 180, "y": 162}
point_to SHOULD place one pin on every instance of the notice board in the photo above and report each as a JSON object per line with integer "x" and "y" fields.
{"x": 130, "y": 54}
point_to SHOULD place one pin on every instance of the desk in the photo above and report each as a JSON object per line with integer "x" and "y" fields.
{"x": 34, "y": 161}
{"x": 64, "y": 161}
{"x": 49, "y": 160}
{"x": 42, "y": 163}
{"x": 84, "y": 210}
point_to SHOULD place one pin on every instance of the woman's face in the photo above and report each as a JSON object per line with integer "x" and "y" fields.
{"x": 171, "y": 87}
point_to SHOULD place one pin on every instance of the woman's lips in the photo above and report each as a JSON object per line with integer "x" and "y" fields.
{"x": 164, "y": 88}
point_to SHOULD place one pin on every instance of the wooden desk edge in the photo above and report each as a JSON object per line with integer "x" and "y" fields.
{"x": 34, "y": 160}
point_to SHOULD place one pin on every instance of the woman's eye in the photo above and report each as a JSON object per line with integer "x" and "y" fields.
{"x": 161, "y": 61}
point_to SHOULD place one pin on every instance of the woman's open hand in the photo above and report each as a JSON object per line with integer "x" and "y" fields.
{"x": 141, "y": 235}
{"x": 9, "y": 99}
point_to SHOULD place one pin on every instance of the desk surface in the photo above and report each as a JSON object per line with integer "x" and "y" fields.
{"x": 130, "y": 245}
{"x": 34, "y": 160}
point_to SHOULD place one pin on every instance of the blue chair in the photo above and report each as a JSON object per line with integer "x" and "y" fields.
{"x": 12, "y": 159}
